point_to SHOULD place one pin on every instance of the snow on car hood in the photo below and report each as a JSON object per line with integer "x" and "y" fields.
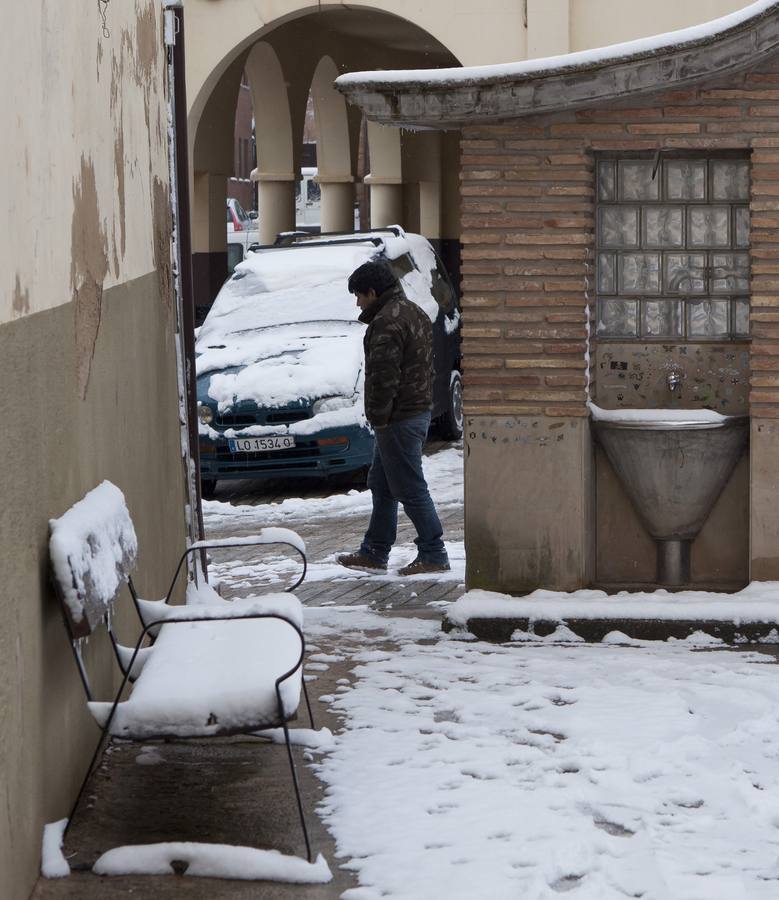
{"x": 285, "y": 327}
{"x": 280, "y": 364}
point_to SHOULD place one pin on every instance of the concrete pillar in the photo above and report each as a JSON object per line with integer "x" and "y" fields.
{"x": 337, "y": 204}
{"x": 386, "y": 201}
{"x": 430, "y": 209}
{"x": 209, "y": 237}
{"x": 209, "y": 232}
{"x": 275, "y": 204}
{"x": 421, "y": 168}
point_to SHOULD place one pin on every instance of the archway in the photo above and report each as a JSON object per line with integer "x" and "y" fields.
{"x": 283, "y": 60}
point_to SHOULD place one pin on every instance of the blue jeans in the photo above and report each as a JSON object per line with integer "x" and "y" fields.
{"x": 396, "y": 476}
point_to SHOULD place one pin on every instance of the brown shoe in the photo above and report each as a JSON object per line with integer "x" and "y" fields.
{"x": 361, "y": 561}
{"x": 421, "y": 567}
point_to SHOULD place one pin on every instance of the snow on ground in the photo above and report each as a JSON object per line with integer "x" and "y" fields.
{"x": 537, "y": 768}
{"x": 758, "y": 602}
{"x": 53, "y": 862}
{"x": 212, "y": 861}
{"x": 276, "y": 570}
{"x": 443, "y": 471}
{"x": 471, "y": 770}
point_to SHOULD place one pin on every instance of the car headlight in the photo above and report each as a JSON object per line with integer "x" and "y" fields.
{"x": 329, "y": 404}
{"x": 205, "y": 413}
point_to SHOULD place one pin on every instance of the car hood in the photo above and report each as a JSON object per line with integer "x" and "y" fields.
{"x": 279, "y": 364}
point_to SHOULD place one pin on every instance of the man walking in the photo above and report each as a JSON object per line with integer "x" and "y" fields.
{"x": 398, "y": 398}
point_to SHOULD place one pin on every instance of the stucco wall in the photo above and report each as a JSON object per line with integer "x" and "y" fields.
{"x": 87, "y": 368}
{"x": 83, "y": 151}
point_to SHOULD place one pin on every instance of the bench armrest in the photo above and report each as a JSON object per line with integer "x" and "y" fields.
{"x": 266, "y": 536}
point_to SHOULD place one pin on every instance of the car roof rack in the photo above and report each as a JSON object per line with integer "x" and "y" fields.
{"x": 298, "y": 238}
{"x": 373, "y": 239}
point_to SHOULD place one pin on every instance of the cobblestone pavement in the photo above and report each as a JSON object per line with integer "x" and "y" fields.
{"x": 325, "y": 537}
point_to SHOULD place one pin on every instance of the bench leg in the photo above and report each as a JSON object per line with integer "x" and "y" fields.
{"x": 308, "y": 704}
{"x": 297, "y": 789}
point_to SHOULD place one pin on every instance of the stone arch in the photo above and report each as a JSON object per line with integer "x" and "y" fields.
{"x": 287, "y": 46}
{"x": 215, "y": 39}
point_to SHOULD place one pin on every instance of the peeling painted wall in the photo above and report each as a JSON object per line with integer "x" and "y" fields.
{"x": 87, "y": 365}
{"x": 67, "y": 121}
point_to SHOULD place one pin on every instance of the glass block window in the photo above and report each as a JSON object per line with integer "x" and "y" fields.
{"x": 672, "y": 251}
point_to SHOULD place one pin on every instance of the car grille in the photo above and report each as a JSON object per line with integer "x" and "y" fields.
{"x": 286, "y": 417}
{"x": 242, "y": 420}
{"x": 232, "y": 420}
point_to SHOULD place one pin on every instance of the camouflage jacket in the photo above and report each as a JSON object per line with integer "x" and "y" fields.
{"x": 398, "y": 359}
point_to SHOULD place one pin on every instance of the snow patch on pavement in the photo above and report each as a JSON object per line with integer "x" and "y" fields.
{"x": 53, "y": 862}
{"x": 443, "y": 471}
{"x": 212, "y": 861}
{"x": 758, "y": 602}
{"x": 321, "y": 739}
{"x": 238, "y": 575}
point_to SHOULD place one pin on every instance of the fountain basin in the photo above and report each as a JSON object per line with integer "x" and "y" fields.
{"x": 673, "y": 465}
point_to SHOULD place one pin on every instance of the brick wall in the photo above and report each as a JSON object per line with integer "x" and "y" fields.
{"x": 528, "y": 233}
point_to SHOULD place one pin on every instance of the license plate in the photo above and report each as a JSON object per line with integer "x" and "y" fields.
{"x": 260, "y": 444}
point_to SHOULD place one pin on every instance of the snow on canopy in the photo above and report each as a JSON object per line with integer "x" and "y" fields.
{"x": 91, "y": 545}
{"x": 542, "y": 66}
{"x": 285, "y": 327}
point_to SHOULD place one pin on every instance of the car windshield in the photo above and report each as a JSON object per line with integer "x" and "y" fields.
{"x": 283, "y": 287}
{"x": 301, "y": 286}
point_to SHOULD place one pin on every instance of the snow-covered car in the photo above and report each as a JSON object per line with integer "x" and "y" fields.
{"x": 280, "y": 357}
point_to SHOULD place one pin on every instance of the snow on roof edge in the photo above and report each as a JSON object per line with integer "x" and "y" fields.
{"x": 694, "y": 34}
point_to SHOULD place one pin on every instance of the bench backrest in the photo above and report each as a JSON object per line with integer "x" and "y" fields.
{"x": 93, "y": 549}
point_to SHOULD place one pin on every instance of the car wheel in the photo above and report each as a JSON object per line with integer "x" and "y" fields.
{"x": 451, "y": 422}
{"x": 208, "y": 488}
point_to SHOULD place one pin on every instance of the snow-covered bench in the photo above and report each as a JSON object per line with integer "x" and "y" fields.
{"x": 212, "y": 667}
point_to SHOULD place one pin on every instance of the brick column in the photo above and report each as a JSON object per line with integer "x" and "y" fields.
{"x": 764, "y": 393}
{"x": 527, "y": 229}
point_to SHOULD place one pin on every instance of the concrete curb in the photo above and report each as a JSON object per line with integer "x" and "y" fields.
{"x": 499, "y": 630}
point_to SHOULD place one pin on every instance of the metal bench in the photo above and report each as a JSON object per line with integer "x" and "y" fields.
{"x": 208, "y": 669}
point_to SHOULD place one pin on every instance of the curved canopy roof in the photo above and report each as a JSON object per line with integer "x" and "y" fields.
{"x": 449, "y": 98}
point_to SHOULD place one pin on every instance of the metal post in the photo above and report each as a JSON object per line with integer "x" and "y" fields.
{"x": 182, "y": 239}
{"x": 673, "y": 563}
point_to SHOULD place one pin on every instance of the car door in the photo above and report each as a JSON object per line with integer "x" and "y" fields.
{"x": 446, "y": 335}
{"x": 446, "y": 326}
